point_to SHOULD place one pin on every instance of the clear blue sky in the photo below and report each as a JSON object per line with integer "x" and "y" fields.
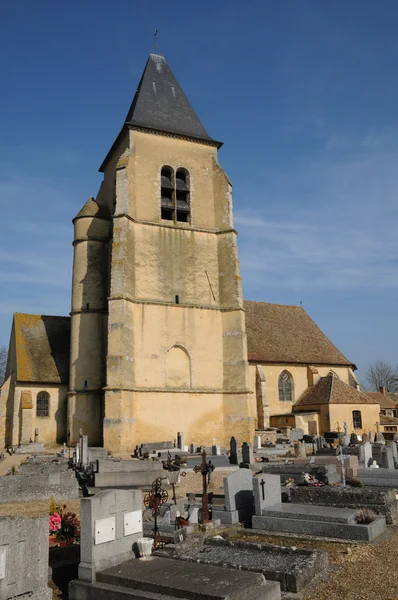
{"x": 304, "y": 96}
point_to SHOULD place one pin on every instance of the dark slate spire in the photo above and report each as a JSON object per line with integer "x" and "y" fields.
{"x": 160, "y": 104}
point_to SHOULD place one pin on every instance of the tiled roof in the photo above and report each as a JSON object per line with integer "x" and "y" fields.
{"x": 382, "y": 399}
{"x": 393, "y": 397}
{"x": 331, "y": 390}
{"x": 42, "y": 348}
{"x": 286, "y": 334}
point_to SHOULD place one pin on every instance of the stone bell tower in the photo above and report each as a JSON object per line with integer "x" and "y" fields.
{"x": 173, "y": 319}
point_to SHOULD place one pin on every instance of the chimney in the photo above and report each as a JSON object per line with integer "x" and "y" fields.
{"x": 382, "y": 390}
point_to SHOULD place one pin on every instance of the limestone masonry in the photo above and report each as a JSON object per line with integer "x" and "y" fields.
{"x": 159, "y": 339}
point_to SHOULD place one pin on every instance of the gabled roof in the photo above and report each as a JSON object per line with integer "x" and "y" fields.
{"x": 42, "y": 348}
{"x": 161, "y": 105}
{"x": 382, "y": 399}
{"x": 331, "y": 390}
{"x": 286, "y": 334}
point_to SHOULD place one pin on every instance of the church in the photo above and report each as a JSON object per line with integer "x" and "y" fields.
{"x": 159, "y": 338}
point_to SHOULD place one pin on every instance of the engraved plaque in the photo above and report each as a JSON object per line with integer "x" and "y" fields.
{"x": 132, "y": 522}
{"x": 105, "y": 530}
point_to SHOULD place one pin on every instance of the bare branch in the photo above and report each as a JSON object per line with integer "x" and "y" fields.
{"x": 381, "y": 374}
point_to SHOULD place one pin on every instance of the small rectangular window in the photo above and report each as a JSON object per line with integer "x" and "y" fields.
{"x": 85, "y": 384}
{"x": 357, "y": 419}
{"x": 177, "y": 300}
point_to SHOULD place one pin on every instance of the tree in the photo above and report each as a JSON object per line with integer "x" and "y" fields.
{"x": 3, "y": 363}
{"x": 381, "y": 374}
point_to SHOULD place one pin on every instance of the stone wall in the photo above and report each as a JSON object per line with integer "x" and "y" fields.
{"x": 267, "y": 435}
{"x": 39, "y": 482}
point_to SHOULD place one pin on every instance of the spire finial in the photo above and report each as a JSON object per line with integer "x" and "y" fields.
{"x": 155, "y": 38}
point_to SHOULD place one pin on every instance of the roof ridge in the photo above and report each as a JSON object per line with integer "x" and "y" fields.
{"x": 39, "y": 315}
{"x": 275, "y": 304}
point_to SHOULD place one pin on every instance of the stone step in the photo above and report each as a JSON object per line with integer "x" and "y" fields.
{"x": 192, "y": 581}
{"x": 323, "y": 514}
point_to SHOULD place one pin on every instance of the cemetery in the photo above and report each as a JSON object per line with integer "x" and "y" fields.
{"x": 157, "y": 524}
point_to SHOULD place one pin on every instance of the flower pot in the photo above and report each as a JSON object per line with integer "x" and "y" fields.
{"x": 66, "y": 543}
{"x": 52, "y": 539}
{"x": 145, "y": 546}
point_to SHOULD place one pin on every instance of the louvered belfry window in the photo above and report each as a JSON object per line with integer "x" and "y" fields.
{"x": 43, "y": 404}
{"x": 285, "y": 387}
{"x": 175, "y": 196}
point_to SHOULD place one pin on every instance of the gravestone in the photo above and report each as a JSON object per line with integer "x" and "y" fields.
{"x": 319, "y": 442}
{"x": 192, "y": 448}
{"x": 36, "y": 436}
{"x": 194, "y": 515}
{"x": 297, "y": 434}
{"x": 24, "y": 558}
{"x": 380, "y": 438}
{"x": 257, "y": 442}
{"x": 394, "y": 451}
{"x": 302, "y": 450}
{"x": 111, "y": 522}
{"x": 180, "y": 440}
{"x": 77, "y": 454}
{"x": 353, "y": 439}
{"x": 267, "y": 491}
{"x": 247, "y": 453}
{"x": 389, "y": 458}
{"x": 366, "y": 454}
{"x": 238, "y": 489}
{"x": 216, "y": 450}
{"x": 371, "y": 437}
{"x": 365, "y": 438}
{"x": 233, "y": 451}
{"x": 84, "y": 451}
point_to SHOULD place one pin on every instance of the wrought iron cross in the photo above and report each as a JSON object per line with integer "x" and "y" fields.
{"x": 205, "y": 468}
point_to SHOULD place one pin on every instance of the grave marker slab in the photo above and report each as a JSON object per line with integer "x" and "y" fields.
{"x": 247, "y": 453}
{"x": 267, "y": 491}
{"x": 238, "y": 489}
